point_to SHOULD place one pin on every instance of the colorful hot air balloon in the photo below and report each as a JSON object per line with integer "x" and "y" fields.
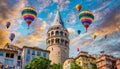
{"x": 8, "y": 24}
{"x": 12, "y": 36}
{"x": 29, "y": 14}
{"x": 79, "y": 31}
{"x": 94, "y": 36}
{"x": 86, "y": 17}
{"x": 78, "y": 7}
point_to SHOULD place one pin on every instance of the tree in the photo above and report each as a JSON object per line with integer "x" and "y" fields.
{"x": 94, "y": 66}
{"x": 74, "y": 66}
{"x": 38, "y": 63}
{"x": 56, "y": 66}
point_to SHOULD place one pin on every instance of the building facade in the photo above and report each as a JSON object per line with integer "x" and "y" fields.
{"x": 67, "y": 63}
{"x": 106, "y": 62}
{"x": 85, "y": 61}
{"x": 118, "y": 63}
{"x": 57, "y": 41}
{"x": 12, "y": 57}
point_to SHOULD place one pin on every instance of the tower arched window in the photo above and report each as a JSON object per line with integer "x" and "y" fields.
{"x": 52, "y": 33}
{"x": 65, "y": 35}
{"x": 52, "y": 41}
{"x": 60, "y": 41}
{"x": 57, "y": 33}
{"x": 61, "y": 33}
{"x": 48, "y": 34}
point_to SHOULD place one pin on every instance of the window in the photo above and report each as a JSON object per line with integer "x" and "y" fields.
{"x": 44, "y": 54}
{"x": 18, "y": 63}
{"x": 33, "y": 57}
{"x": 28, "y": 51}
{"x": 27, "y": 58}
{"x": 10, "y": 55}
{"x": 61, "y": 33}
{"x": 7, "y": 54}
{"x": 38, "y": 53}
{"x": 1, "y": 53}
{"x": 19, "y": 57}
{"x": 33, "y": 52}
{"x": 9, "y": 62}
{"x": 52, "y": 34}
{"x": 57, "y": 33}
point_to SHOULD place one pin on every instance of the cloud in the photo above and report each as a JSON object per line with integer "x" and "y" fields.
{"x": 9, "y": 12}
{"x": 71, "y": 31}
{"x": 34, "y": 38}
{"x": 110, "y": 25}
{"x": 71, "y": 18}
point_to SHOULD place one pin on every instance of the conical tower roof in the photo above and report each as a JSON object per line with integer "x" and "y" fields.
{"x": 57, "y": 20}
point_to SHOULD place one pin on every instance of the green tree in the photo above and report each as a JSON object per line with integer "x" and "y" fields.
{"x": 38, "y": 63}
{"x": 74, "y": 66}
{"x": 94, "y": 66}
{"x": 56, "y": 66}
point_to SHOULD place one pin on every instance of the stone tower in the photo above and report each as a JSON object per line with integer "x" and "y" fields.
{"x": 58, "y": 41}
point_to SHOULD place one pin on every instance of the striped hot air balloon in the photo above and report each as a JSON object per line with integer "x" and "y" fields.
{"x": 29, "y": 14}
{"x": 86, "y": 18}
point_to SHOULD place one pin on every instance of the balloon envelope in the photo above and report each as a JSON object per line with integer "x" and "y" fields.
{"x": 86, "y": 18}
{"x": 29, "y": 14}
{"x": 8, "y": 24}
{"x": 94, "y": 36}
{"x": 12, "y": 36}
{"x": 79, "y": 31}
{"x": 78, "y": 7}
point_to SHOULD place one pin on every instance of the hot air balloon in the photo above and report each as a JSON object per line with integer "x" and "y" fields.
{"x": 79, "y": 31}
{"x": 12, "y": 36}
{"x": 94, "y": 36}
{"x": 29, "y": 14}
{"x": 8, "y": 24}
{"x": 78, "y": 49}
{"x": 78, "y": 7}
{"x": 86, "y": 17}
{"x": 105, "y": 36}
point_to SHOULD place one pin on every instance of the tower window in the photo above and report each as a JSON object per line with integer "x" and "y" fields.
{"x": 57, "y": 33}
{"x": 61, "y": 33}
{"x": 52, "y": 34}
{"x": 65, "y": 35}
{"x": 52, "y": 41}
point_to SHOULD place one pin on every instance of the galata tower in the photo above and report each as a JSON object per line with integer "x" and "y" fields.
{"x": 58, "y": 41}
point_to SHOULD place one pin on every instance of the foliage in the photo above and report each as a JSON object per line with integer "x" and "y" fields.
{"x": 42, "y": 63}
{"x": 56, "y": 66}
{"x": 94, "y": 66}
{"x": 74, "y": 66}
{"x": 38, "y": 63}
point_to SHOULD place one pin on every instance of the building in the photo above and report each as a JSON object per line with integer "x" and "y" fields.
{"x": 58, "y": 41}
{"x": 67, "y": 63}
{"x": 28, "y": 53}
{"x": 118, "y": 63}
{"x": 84, "y": 60}
{"x": 106, "y": 62}
{"x": 13, "y": 57}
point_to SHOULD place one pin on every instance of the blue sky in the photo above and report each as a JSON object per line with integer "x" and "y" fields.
{"x": 106, "y": 22}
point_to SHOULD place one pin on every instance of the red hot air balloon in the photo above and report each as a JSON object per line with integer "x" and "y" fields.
{"x": 12, "y": 36}
{"x": 29, "y": 14}
{"x": 86, "y": 17}
{"x": 78, "y": 49}
{"x": 8, "y": 24}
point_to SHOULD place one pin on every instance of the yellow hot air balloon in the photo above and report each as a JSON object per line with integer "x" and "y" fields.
{"x": 94, "y": 36}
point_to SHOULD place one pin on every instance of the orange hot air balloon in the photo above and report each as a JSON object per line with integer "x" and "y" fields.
{"x": 78, "y": 7}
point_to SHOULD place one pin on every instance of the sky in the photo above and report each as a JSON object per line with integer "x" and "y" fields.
{"x": 106, "y": 22}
